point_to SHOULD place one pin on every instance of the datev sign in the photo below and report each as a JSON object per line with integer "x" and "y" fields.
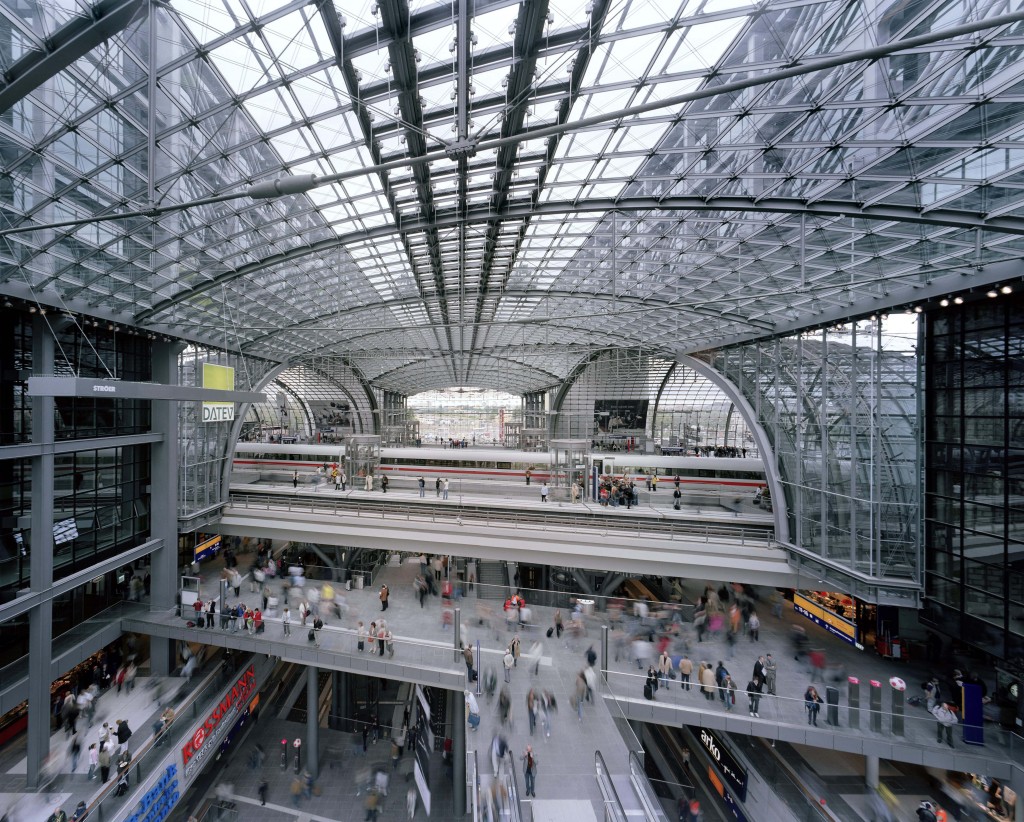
{"x": 221, "y": 378}
{"x": 204, "y": 739}
{"x": 734, "y": 773}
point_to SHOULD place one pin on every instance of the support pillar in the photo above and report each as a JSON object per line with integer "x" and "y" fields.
{"x": 457, "y": 713}
{"x": 457, "y": 633}
{"x": 312, "y": 745}
{"x": 604, "y": 653}
{"x": 340, "y": 698}
{"x": 871, "y": 772}
{"x": 40, "y": 625}
{"x": 164, "y": 502}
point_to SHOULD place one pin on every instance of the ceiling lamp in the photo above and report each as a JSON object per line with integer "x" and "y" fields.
{"x": 992, "y": 293}
{"x": 958, "y": 300}
{"x": 944, "y": 302}
{"x": 1006, "y": 289}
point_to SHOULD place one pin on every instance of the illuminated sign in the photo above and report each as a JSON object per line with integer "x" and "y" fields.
{"x": 204, "y": 738}
{"x": 207, "y": 548}
{"x": 734, "y": 773}
{"x": 156, "y": 805}
{"x": 842, "y": 628}
{"x": 221, "y": 378}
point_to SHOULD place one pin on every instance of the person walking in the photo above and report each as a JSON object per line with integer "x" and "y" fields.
{"x": 754, "y": 691}
{"x": 508, "y": 661}
{"x": 286, "y": 621}
{"x": 94, "y": 759}
{"x": 262, "y": 791}
{"x": 770, "y": 669}
{"x": 295, "y": 484}
{"x": 384, "y": 483}
{"x": 812, "y": 702}
{"x": 754, "y": 627}
{"x": 530, "y": 771}
{"x": 529, "y": 473}
{"x": 515, "y": 646}
{"x": 946, "y": 718}
{"x": 384, "y": 594}
{"x": 544, "y": 492}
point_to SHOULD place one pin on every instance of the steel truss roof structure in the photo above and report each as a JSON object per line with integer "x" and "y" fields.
{"x": 484, "y": 193}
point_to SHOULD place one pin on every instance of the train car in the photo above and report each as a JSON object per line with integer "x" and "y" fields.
{"x": 694, "y": 473}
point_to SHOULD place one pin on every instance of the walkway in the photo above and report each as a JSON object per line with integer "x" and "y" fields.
{"x": 697, "y": 551}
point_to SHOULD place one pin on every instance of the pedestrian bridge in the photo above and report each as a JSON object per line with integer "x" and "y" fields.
{"x": 657, "y": 546}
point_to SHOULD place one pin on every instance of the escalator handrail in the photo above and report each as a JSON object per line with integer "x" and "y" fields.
{"x": 653, "y": 811}
{"x": 612, "y": 802}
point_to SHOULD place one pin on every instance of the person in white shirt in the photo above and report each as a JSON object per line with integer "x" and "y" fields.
{"x": 544, "y": 492}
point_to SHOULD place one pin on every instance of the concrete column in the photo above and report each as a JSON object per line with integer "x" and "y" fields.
{"x": 457, "y": 712}
{"x": 871, "y": 772}
{"x": 40, "y": 622}
{"x": 312, "y": 745}
{"x": 164, "y": 502}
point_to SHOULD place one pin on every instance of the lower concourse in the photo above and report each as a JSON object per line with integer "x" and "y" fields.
{"x": 713, "y": 292}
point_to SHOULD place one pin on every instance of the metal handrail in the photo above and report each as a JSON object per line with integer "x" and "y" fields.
{"x": 515, "y": 810}
{"x": 653, "y": 811}
{"x": 654, "y": 528}
{"x": 612, "y": 804}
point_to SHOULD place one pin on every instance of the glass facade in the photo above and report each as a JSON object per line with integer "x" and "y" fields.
{"x": 974, "y": 486}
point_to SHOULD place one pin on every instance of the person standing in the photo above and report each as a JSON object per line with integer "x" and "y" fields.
{"x": 467, "y": 655}
{"x": 262, "y": 791}
{"x": 754, "y": 626}
{"x": 94, "y": 760}
{"x": 530, "y": 771}
{"x": 529, "y": 473}
{"x": 286, "y": 621}
{"x": 444, "y": 488}
{"x": 812, "y": 702}
{"x": 422, "y": 483}
{"x": 754, "y": 691}
{"x": 654, "y": 482}
{"x": 685, "y": 670}
{"x": 664, "y": 668}
{"x": 369, "y": 482}
{"x": 384, "y": 483}
{"x": 360, "y": 637}
{"x": 946, "y": 718}
{"x": 295, "y": 484}
{"x": 384, "y": 594}
{"x": 515, "y": 646}
{"x": 103, "y": 758}
{"x": 543, "y": 492}
{"x": 729, "y": 690}
{"x": 508, "y": 661}
{"x": 707, "y": 681}
{"x": 437, "y": 487}
{"x": 211, "y": 612}
{"x": 318, "y": 626}
{"x": 770, "y": 669}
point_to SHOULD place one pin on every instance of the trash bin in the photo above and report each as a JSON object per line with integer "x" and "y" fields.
{"x": 358, "y": 580}
{"x": 586, "y": 605}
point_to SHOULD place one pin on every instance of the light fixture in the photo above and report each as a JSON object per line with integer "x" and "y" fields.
{"x": 958, "y": 300}
{"x": 1006, "y": 290}
{"x": 918, "y": 309}
{"x": 944, "y": 302}
{"x": 992, "y": 293}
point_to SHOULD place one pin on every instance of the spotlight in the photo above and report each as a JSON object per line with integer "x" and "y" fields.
{"x": 918, "y": 309}
{"x": 1006, "y": 290}
{"x": 958, "y": 300}
{"x": 992, "y": 293}
{"x": 944, "y": 302}
{"x": 32, "y": 309}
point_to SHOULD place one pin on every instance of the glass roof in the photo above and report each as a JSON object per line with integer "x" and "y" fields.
{"x": 443, "y": 242}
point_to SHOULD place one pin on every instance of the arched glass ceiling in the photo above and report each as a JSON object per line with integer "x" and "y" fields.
{"x": 439, "y": 248}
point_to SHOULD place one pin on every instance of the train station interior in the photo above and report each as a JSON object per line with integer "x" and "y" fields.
{"x": 405, "y": 403}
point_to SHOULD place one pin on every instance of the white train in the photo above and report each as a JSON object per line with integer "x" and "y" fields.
{"x": 697, "y": 473}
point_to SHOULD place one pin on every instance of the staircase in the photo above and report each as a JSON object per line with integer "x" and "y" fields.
{"x": 491, "y": 580}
